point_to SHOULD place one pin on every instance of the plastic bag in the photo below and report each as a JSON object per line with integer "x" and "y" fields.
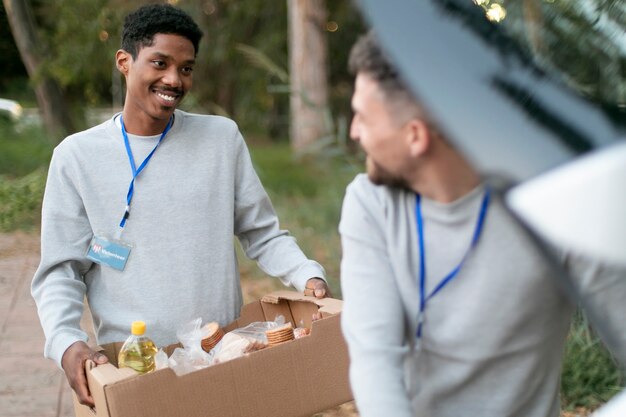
{"x": 245, "y": 339}
{"x": 191, "y": 357}
{"x": 161, "y": 359}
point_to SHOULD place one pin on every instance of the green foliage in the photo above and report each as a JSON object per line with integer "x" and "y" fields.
{"x": 262, "y": 61}
{"x": 579, "y": 42}
{"x": 83, "y": 37}
{"x": 24, "y": 155}
{"x": 590, "y": 376}
{"x": 223, "y": 79}
{"x": 23, "y": 148}
{"x": 307, "y": 194}
{"x": 20, "y": 200}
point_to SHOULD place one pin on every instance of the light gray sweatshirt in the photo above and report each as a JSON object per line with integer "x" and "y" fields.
{"x": 197, "y": 192}
{"x": 493, "y": 337}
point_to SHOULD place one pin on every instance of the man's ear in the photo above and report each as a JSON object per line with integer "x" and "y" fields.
{"x": 419, "y": 137}
{"x": 123, "y": 60}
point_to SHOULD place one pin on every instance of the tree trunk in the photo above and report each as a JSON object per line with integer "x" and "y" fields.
{"x": 308, "y": 71}
{"x": 55, "y": 114}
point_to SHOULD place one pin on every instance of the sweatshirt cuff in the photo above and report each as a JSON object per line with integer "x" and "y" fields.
{"x": 58, "y": 344}
{"x": 310, "y": 269}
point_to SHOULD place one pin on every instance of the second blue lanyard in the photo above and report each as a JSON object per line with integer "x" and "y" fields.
{"x": 422, "y": 278}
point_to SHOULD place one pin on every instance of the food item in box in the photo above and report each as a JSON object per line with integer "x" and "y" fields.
{"x": 279, "y": 334}
{"x": 214, "y": 335}
{"x": 232, "y": 346}
{"x": 299, "y": 332}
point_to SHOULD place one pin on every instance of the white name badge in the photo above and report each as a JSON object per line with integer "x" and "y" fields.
{"x": 108, "y": 252}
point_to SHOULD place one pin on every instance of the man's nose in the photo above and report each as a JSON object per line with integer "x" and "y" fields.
{"x": 172, "y": 78}
{"x": 354, "y": 129}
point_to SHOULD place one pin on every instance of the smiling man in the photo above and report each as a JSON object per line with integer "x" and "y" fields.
{"x": 140, "y": 212}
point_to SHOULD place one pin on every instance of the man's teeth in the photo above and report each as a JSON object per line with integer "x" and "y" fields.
{"x": 165, "y": 97}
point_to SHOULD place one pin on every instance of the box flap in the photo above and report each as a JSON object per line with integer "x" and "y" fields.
{"x": 327, "y": 306}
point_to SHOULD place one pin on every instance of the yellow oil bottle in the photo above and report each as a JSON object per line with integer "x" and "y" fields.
{"x": 138, "y": 351}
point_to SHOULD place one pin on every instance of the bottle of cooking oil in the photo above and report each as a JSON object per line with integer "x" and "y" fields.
{"x": 138, "y": 351}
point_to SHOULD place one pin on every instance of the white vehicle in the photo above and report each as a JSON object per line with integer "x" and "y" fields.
{"x": 10, "y": 108}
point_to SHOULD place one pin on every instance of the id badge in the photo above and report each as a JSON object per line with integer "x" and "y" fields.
{"x": 108, "y": 252}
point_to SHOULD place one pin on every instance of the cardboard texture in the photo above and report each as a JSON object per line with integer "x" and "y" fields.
{"x": 296, "y": 378}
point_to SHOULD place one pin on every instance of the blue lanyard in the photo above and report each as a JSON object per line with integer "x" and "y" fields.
{"x": 137, "y": 171}
{"x": 446, "y": 280}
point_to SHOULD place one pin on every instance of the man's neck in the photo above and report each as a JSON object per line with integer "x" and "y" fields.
{"x": 446, "y": 180}
{"x": 143, "y": 125}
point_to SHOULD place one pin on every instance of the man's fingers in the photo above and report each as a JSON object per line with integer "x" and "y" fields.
{"x": 82, "y": 390}
{"x": 73, "y": 363}
{"x": 317, "y": 287}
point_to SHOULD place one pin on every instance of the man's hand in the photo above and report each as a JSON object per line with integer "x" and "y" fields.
{"x": 317, "y": 287}
{"x": 73, "y": 363}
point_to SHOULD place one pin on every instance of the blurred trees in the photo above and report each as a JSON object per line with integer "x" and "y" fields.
{"x": 82, "y": 37}
{"x": 33, "y": 52}
{"x": 583, "y": 43}
{"x": 308, "y": 55}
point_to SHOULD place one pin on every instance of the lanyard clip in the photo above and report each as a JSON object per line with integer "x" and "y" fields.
{"x": 420, "y": 323}
{"x": 125, "y": 216}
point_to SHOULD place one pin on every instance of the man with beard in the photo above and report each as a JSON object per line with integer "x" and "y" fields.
{"x": 449, "y": 308}
{"x": 139, "y": 212}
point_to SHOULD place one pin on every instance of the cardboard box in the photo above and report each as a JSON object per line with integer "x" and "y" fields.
{"x": 296, "y": 378}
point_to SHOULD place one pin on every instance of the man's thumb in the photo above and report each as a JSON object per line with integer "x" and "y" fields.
{"x": 99, "y": 358}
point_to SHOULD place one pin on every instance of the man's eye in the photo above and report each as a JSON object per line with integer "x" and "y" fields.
{"x": 187, "y": 70}
{"x": 158, "y": 64}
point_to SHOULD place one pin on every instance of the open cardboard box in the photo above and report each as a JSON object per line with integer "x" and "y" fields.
{"x": 296, "y": 378}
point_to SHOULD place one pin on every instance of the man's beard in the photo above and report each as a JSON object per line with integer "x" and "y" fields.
{"x": 380, "y": 176}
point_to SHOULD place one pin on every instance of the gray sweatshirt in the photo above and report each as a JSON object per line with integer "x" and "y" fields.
{"x": 492, "y": 338}
{"x": 197, "y": 192}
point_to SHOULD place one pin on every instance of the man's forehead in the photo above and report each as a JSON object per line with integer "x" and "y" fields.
{"x": 165, "y": 45}
{"x": 367, "y": 89}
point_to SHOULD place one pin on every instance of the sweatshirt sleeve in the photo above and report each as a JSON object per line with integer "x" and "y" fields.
{"x": 257, "y": 227}
{"x": 58, "y": 286}
{"x": 372, "y": 318}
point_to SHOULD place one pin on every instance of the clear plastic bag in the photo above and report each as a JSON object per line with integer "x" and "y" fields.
{"x": 161, "y": 360}
{"x": 245, "y": 339}
{"x": 191, "y": 357}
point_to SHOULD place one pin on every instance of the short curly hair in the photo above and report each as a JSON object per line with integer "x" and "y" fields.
{"x": 141, "y": 25}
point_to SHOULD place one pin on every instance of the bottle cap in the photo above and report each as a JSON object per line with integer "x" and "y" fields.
{"x": 138, "y": 328}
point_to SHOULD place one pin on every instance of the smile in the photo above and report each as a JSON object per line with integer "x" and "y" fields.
{"x": 166, "y": 97}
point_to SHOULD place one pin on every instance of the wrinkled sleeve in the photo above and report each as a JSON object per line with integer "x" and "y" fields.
{"x": 372, "y": 316}
{"x": 58, "y": 286}
{"x": 256, "y": 225}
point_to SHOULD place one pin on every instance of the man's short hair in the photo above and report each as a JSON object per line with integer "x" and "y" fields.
{"x": 368, "y": 57}
{"x": 141, "y": 25}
